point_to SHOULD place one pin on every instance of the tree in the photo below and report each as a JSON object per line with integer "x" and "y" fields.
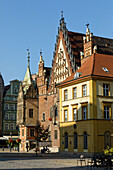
{"x": 41, "y": 134}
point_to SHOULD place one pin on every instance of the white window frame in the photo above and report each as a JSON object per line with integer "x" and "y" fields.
{"x": 84, "y": 112}
{"x": 12, "y": 116}
{"x": 75, "y": 92}
{"x": 6, "y": 116}
{"x": 74, "y": 114}
{"x": 65, "y": 115}
{"x": 5, "y": 126}
{"x": 106, "y": 89}
{"x": 12, "y": 106}
{"x": 6, "y": 106}
{"x": 12, "y": 126}
{"x": 106, "y": 112}
{"x": 84, "y": 90}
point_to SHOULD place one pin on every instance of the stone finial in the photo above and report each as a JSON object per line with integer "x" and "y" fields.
{"x": 87, "y": 29}
{"x": 28, "y": 56}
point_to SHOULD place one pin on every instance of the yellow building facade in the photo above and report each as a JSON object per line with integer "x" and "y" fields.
{"x": 86, "y": 108}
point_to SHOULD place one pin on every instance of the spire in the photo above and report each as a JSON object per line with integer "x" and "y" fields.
{"x": 62, "y": 23}
{"x": 28, "y": 56}
{"x": 41, "y": 55}
{"x": 28, "y": 78}
{"x": 87, "y": 29}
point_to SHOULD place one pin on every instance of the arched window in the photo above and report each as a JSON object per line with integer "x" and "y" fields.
{"x": 43, "y": 117}
{"x": 66, "y": 140}
{"x": 75, "y": 140}
{"x": 85, "y": 140}
{"x": 107, "y": 139}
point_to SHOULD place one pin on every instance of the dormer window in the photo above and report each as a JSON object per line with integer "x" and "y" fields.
{"x": 105, "y": 69}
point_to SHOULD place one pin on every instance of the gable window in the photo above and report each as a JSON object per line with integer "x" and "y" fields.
{"x": 84, "y": 90}
{"x": 65, "y": 94}
{"x": 15, "y": 89}
{"x": 43, "y": 117}
{"x": 31, "y": 113}
{"x": 106, "y": 89}
{"x": 75, "y": 114}
{"x": 74, "y": 93}
{"x": 84, "y": 112}
{"x": 106, "y": 112}
{"x": 65, "y": 115}
{"x": 32, "y": 132}
{"x": 85, "y": 140}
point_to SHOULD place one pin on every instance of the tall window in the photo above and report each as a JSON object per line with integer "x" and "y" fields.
{"x": 31, "y": 113}
{"x": 12, "y": 126}
{"x": 65, "y": 115}
{"x": 106, "y": 89}
{"x": 84, "y": 110}
{"x": 43, "y": 117}
{"x": 6, "y": 116}
{"x": 65, "y": 94}
{"x": 32, "y": 132}
{"x": 56, "y": 112}
{"x": 55, "y": 134}
{"x": 106, "y": 112}
{"x": 6, "y": 126}
{"x": 75, "y": 140}
{"x": 6, "y": 107}
{"x": 12, "y": 116}
{"x": 74, "y": 92}
{"x": 85, "y": 141}
{"x": 75, "y": 114}
{"x": 22, "y": 132}
{"x": 12, "y": 107}
{"x": 66, "y": 140}
{"x": 84, "y": 90}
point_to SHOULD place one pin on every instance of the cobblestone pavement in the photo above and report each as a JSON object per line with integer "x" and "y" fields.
{"x": 40, "y": 163}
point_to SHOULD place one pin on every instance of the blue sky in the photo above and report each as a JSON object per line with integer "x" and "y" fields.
{"x": 34, "y": 24}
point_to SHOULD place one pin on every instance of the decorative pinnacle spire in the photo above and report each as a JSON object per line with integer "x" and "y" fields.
{"x": 40, "y": 54}
{"x": 61, "y": 14}
{"x": 28, "y": 56}
{"x": 87, "y": 25}
{"x": 87, "y": 29}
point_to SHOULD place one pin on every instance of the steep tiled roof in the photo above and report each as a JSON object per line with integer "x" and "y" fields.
{"x": 94, "y": 66}
{"x": 76, "y": 41}
{"x": 104, "y": 45}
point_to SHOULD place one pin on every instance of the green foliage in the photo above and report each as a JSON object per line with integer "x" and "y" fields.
{"x": 41, "y": 132}
{"x": 108, "y": 151}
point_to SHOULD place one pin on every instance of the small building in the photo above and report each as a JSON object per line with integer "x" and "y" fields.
{"x": 86, "y": 107}
{"x": 10, "y": 109}
{"x": 27, "y": 110}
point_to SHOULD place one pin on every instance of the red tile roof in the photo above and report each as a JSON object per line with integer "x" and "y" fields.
{"x": 94, "y": 67}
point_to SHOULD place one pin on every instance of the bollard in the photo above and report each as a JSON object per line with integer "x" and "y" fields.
{"x": 3, "y": 148}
